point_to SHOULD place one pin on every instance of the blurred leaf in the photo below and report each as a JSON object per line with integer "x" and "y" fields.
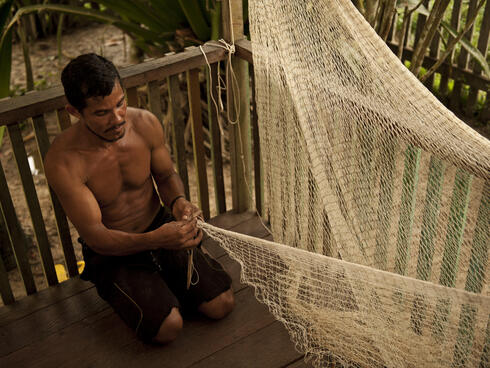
{"x": 472, "y": 50}
{"x": 140, "y": 13}
{"x": 6, "y": 62}
{"x": 170, "y": 9}
{"x": 5, "y": 12}
{"x": 130, "y": 28}
{"x": 206, "y": 7}
{"x": 5, "y": 50}
{"x": 5, "y": 56}
{"x": 196, "y": 19}
{"x": 2, "y": 131}
{"x": 215, "y": 21}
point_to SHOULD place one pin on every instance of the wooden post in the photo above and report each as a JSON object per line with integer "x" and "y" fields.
{"x": 198, "y": 140}
{"x": 178, "y": 128}
{"x": 455, "y": 17}
{"x": 215, "y": 136}
{"x": 241, "y": 155}
{"x": 463, "y": 59}
{"x": 477, "y": 70}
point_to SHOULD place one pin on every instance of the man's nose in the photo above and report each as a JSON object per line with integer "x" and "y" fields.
{"x": 117, "y": 116}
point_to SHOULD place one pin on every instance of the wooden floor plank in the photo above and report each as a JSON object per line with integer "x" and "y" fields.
{"x": 101, "y": 340}
{"x": 299, "y": 364}
{"x": 230, "y": 219}
{"x": 52, "y": 318}
{"x": 42, "y": 299}
{"x": 71, "y": 310}
{"x": 71, "y": 326}
{"x": 55, "y": 294}
{"x": 35, "y": 327}
{"x": 269, "y": 347}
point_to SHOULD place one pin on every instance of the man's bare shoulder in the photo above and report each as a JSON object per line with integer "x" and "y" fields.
{"x": 146, "y": 124}
{"x": 63, "y": 154}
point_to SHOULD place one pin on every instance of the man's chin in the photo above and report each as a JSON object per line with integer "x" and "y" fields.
{"x": 118, "y": 137}
{"x": 113, "y": 136}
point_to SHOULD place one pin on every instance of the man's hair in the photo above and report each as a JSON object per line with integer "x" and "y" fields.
{"x": 88, "y": 75}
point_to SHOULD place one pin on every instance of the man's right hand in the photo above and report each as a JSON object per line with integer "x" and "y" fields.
{"x": 178, "y": 234}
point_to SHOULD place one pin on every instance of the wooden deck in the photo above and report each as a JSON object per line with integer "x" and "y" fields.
{"x": 70, "y": 326}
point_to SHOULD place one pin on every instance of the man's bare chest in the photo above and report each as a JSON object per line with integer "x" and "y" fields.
{"x": 113, "y": 173}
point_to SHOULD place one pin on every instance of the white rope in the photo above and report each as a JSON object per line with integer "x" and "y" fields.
{"x": 222, "y": 85}
{"x": 235, "y": 90}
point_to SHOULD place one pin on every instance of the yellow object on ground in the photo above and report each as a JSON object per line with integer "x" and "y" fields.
{"x": 61, "y": 270}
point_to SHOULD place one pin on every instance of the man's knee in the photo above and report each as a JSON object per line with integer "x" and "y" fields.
{"x": 220, "y": 306}
{"x": 170, "y": 327}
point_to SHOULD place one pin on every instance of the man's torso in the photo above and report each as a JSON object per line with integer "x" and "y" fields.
{"x": 119, "y": 176}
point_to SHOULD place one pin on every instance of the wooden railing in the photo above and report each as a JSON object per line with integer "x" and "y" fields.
{"x": 32, "y": 109}
{"x": 466, "y": 73}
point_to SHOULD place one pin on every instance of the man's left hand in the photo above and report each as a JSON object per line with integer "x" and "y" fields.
{"x": 184, "y": 210}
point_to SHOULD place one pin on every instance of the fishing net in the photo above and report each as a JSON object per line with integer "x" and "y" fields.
{"x": 377, "y": 198}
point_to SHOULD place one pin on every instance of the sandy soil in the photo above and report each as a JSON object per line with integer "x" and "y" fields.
{"x": 108, "y": 41}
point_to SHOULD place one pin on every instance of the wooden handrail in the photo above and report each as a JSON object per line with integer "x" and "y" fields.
{"x": 36, "y": 103}
{"x": 243, "y": 49}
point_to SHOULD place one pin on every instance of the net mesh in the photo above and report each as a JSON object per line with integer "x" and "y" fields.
{"x": 377, "y": 193}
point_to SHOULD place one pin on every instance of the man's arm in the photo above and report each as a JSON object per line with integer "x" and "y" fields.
{"x": 168, "y": 182}
{"x": 83, "y": 210}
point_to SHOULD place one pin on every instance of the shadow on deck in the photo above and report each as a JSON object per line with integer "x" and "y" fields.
{"x": 70, "y": 326}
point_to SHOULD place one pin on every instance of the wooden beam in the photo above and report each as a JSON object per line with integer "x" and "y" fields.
{"x": 132, "y": 96}
{"x": 429, "y": 221}
{"x": 407, "y": 208}
{"x": 32, "y": 203}
{"x": 17, "y": 238}
{"x": 258, "y": 168}
{"x": 241, "y": 155}
{"x": 482, "y": 46}
{"x": 477, "y": 81}
{"x": 193, "y": 90}
{"x": 455, "y": 228}
{"x": 178, "y": 127}
{"x": 40, "y": 102}
{"x": 62, "y": 226}
{"x": 243, "y": 49}
{"x": 63, "y": 119}
{"x": 215, "y": 137}
{"x": 463, "y": 59}
{"x": 5, "y": 290}
{"x": 154, "y": 100}
{"x": 479, "y": 250}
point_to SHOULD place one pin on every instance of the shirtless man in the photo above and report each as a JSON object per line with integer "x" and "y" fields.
{"x": 136, "y": 251}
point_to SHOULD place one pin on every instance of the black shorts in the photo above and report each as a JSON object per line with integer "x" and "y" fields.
{"x": 143, "y": 288}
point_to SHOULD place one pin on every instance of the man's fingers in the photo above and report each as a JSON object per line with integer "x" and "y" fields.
{"x": 197, "y": 213}
{"x": 189, "y": 230}
{"x": 187, "y": 213}
{"x": 188, "y": 225}
{"x": 194, "y": 241}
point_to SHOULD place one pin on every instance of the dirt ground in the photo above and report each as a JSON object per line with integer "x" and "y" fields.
{"x": 109, "y": 42}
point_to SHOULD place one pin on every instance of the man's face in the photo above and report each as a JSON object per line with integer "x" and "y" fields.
{"x": 105, "y": 116}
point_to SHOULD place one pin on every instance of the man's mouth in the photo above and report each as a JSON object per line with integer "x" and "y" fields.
{"x": 115, "y": 127}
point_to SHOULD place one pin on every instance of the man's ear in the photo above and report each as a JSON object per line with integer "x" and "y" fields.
{"x": 73, "y": 111}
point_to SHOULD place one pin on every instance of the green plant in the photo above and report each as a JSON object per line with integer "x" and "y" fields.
{"x": 437, "y": 21}
{"x": 5, "y": 56}
{"x": 151, "y": 24}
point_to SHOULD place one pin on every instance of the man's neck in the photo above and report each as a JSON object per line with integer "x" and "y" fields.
{"x": 97, "y": 139}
